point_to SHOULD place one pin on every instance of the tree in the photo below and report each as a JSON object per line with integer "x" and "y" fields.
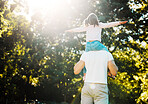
{"x": 37, "y": 57}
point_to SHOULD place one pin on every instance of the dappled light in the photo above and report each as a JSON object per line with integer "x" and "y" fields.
{"x": 37, "y": 56}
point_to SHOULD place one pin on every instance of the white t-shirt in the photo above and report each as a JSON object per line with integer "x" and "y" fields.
{"x": 94, "y": 33}
{"x": 96, "y": 65}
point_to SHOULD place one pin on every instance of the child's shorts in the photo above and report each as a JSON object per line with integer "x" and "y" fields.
{"x": 95, "y": 46}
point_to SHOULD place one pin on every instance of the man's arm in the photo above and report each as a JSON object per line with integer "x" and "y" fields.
{"x": 79, "y": 66}
{"x": 112, "y": 67}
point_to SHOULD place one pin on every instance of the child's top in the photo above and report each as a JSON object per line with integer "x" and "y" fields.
{"x": 94, "y": 33}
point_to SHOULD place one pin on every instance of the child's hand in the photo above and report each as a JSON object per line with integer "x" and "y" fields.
{"x": 84, "y": 75}
{"x": 123, "y": 22}
{"x": 83, "y": 78}
{"x": 66, "y": 31}
{"x": 71, "y": 30}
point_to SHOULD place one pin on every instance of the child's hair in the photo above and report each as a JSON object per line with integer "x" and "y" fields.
{"x": 92, "y": 19}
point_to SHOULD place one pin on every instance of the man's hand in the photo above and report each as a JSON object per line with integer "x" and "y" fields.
{"x": 110, "y": 75}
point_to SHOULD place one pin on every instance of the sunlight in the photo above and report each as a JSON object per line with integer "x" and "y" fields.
{"x": 48, "y": 9}
{"x": 52, "y": 8}
{"x": 41, "y": 4}
{"x": 45, "y": 5}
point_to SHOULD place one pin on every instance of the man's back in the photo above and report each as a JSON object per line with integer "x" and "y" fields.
{"x": 95, "y": 88}
{"x": 96, "y": 63}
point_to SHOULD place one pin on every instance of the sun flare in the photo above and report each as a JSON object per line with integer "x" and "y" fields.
{"x": 47, "y": 4}
{"x": 50, "y": 7}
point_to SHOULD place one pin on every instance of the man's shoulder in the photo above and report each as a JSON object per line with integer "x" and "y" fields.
{"x": 97, "y": 55}
{"x": 97, "y": 52}
{"x": 105, "y": 52}
{"x": 101, "y": 52}
{"x": 84, "y": 53}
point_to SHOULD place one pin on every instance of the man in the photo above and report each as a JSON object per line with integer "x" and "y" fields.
{"x": 95, "y": 85}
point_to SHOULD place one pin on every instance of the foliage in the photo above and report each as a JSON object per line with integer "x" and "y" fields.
{"x": 37, "y": 57}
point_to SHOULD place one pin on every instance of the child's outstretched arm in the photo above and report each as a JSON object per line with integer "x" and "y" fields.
{"x": 112, "y": 24}
{"x": 80, "y": 29}
{"x": 123, "y": 22}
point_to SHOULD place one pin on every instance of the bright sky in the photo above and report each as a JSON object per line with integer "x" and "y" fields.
{"x": 47, "y": 4}
{"x": 54, "y": 6}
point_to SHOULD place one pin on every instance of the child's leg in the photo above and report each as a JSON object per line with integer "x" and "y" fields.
{"x": 84, "y": 72}
{"x": 95, "y": 46}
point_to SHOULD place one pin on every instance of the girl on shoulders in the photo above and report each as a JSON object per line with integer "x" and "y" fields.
{"x": 93, "y": 30}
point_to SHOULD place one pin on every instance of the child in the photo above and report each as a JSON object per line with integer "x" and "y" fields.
{"x": 93, "y": 30}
